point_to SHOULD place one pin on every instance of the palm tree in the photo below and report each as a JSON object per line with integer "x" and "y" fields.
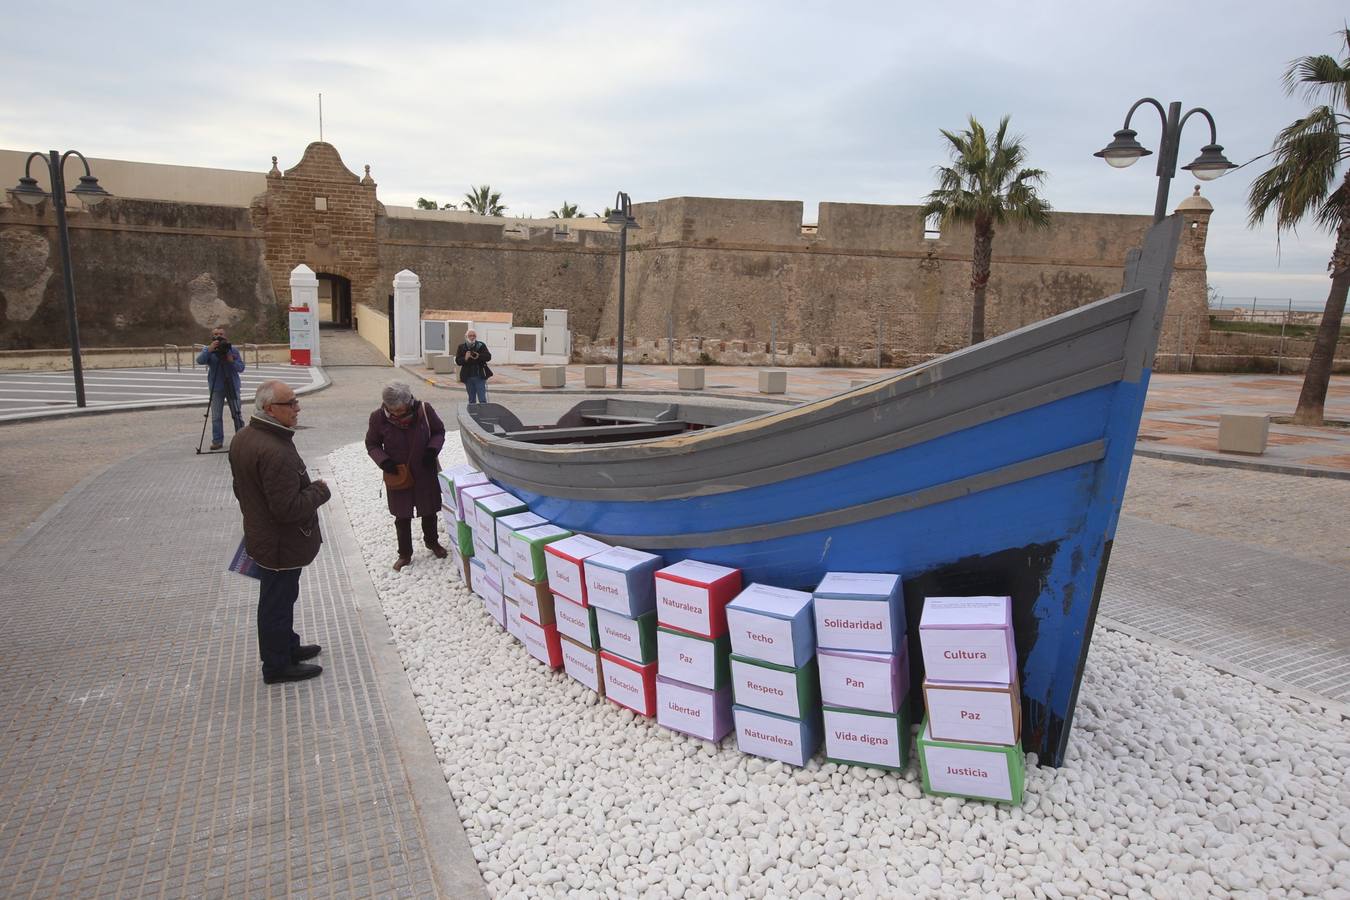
{"x": 986, "y": 186}
{"x": 1302, "y": 181}
{"x": 568, "y": 211}
{"x": 484, "y": 201}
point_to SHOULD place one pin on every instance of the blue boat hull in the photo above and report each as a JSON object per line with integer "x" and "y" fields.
{"x": 1023, "y": 500}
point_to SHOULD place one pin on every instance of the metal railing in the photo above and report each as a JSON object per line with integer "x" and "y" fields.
{"x": 164, "y": 357}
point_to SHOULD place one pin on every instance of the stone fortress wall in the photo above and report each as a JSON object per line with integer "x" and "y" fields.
{"x": 155, "y": 270}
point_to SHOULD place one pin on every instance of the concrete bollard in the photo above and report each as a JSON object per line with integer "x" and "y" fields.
{"x": 773, "y": 381}
{"x": 552, "y": 376}
{"x": 1243, "y": 434}
{"x": 690, "y": 378}
{"x": 595, "y": 376}
{"x": 443, "y": 364}
{"x": 429, "y": 358}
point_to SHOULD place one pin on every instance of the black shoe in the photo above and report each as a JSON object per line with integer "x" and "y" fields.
{"x": 436, "y": 548}
{"x": 294, "y": 672}
{"x": 304, "y": 652}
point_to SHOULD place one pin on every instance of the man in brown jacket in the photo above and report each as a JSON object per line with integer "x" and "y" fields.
{"x": 281, "y": 525}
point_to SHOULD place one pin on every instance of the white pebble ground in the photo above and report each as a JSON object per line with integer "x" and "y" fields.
{"x": 1180, "y": 781}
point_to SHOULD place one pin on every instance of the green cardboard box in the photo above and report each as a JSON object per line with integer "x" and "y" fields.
{"x": 527, "y": 549}
{"x": 692, "y": 659}
{"x": 979, "y": 771}
{"x": 464, "y": 538}
{"x": 633, "y": 639}
{"x": 862, "y": 737}
{"x": 784, "y": 691}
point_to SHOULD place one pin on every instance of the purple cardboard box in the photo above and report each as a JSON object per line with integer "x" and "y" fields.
{"x": 692, "y": 710}
{"x": 968, "y": 639}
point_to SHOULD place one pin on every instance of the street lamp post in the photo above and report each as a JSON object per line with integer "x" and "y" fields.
{"x": 89, "y": 192}
{"x": 621, "y": 215}
{"x": 1124, "y": 150}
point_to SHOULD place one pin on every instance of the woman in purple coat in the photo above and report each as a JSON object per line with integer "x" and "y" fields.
{"x": 406, "y": 431}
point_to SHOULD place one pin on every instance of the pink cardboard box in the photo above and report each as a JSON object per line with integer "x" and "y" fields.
{"x": 692, "y": 597}
{"x": 629, "y": 684}
{"x": 695, "y": 711}
{"x": 468, "y": 496}
{"x": 455, "y": 497}
{"x": 968, "y": 639}
{"x": 564, "y": 560}
{"x": 854, "y": 679}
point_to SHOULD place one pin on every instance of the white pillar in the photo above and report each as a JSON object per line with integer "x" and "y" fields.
{"x": 305, "y": 294}
{"x": 407, "y": 319}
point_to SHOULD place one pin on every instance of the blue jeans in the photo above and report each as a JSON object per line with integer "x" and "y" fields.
{"x": 477, "y": 387}
{"x": 218, "y": 399}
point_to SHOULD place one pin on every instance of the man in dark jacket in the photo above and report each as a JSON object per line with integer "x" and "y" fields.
{"x": 281, "y": 526}
{"x": 472, "y": 358}
{"x": 223, "y": 365}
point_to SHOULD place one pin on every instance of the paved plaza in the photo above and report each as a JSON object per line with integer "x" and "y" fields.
{"x": 141, "y": 754}
{"x": 35, "y": 394}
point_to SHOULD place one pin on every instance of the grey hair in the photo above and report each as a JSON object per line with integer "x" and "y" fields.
{"x": 266, "y": 394}
{"x": 397, "y": 393}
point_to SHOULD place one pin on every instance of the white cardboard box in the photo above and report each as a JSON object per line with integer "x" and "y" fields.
{"x": 773, "y": 624}
{"x": 692, "y": 710}
{"x": 973, "y": 713}
{"x": 565, "y": 559}
{"x": 490, "y": 508}
{"x": 968, "y": 639}
{"x": 772, "y": 690}
{"x": 619, "y": 579}
{"x": 467, "y": 498}
{"x": 692, "y": 596}
{"x": 582, "y": 664}
{"x": 853, "y": 679}
{"x": 515, "y": 522}
{"x": 793, "y": 741}
{"x": 575, "y": 621}
{"x": 859, "y": 611}
{"x": 455, "y": 498}
{"x": 693, "y": 660}
{"x": 513, "y": 624}
{"x": 869, "y": 739}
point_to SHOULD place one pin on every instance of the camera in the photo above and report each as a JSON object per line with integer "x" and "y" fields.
{"x": 222, "y": 347}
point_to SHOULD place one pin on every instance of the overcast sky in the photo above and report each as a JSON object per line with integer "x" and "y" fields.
{"x": 575, "y": 101}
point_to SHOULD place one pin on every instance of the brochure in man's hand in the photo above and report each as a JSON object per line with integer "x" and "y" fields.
{"x": 243, "y": 564}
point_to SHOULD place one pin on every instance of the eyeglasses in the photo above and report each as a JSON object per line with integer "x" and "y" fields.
{"x": 293, "y": 402}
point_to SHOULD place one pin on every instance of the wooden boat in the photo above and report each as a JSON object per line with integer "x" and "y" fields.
{"x": 998, "y": 469}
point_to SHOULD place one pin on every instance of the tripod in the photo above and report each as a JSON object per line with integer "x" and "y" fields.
{"x": 236, "y": 416}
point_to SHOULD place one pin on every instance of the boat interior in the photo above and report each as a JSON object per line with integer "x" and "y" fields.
{"x": 607, "y": 420}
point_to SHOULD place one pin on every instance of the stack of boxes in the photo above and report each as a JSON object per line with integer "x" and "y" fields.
{"x": 969, "y": 743}
{"x": 486, "y": 580}
{"x": 564, "y": 565}
{"x": 453, "y": 480}
{"x": 619, "y": 586}
{"x": 860, "y": 634}
{"x": 692, "y": 693}
{"x": 773, "y": 673}
{"x": 529, "y": 581}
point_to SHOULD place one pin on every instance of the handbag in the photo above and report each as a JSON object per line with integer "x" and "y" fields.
{"x": 401, "y": 479}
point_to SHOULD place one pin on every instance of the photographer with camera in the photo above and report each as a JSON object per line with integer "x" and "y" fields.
{"x": 472, "y": 358}
{"x": 223, "y": 365}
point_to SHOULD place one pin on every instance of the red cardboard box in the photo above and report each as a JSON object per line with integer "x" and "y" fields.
{"x": 629, "y": 684}
{"x": 542, "y": 642}
{"x": 692, "y": 597}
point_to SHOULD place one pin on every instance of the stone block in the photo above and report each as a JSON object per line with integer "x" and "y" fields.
{"x": 442, "y": 363}
{"x": 690, "y": 378}
{"x": 773, "y": 381}
{"x": 1243, "y": 434}
{"x": 595, "y": 376}
{"x": 552, "y": 376}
